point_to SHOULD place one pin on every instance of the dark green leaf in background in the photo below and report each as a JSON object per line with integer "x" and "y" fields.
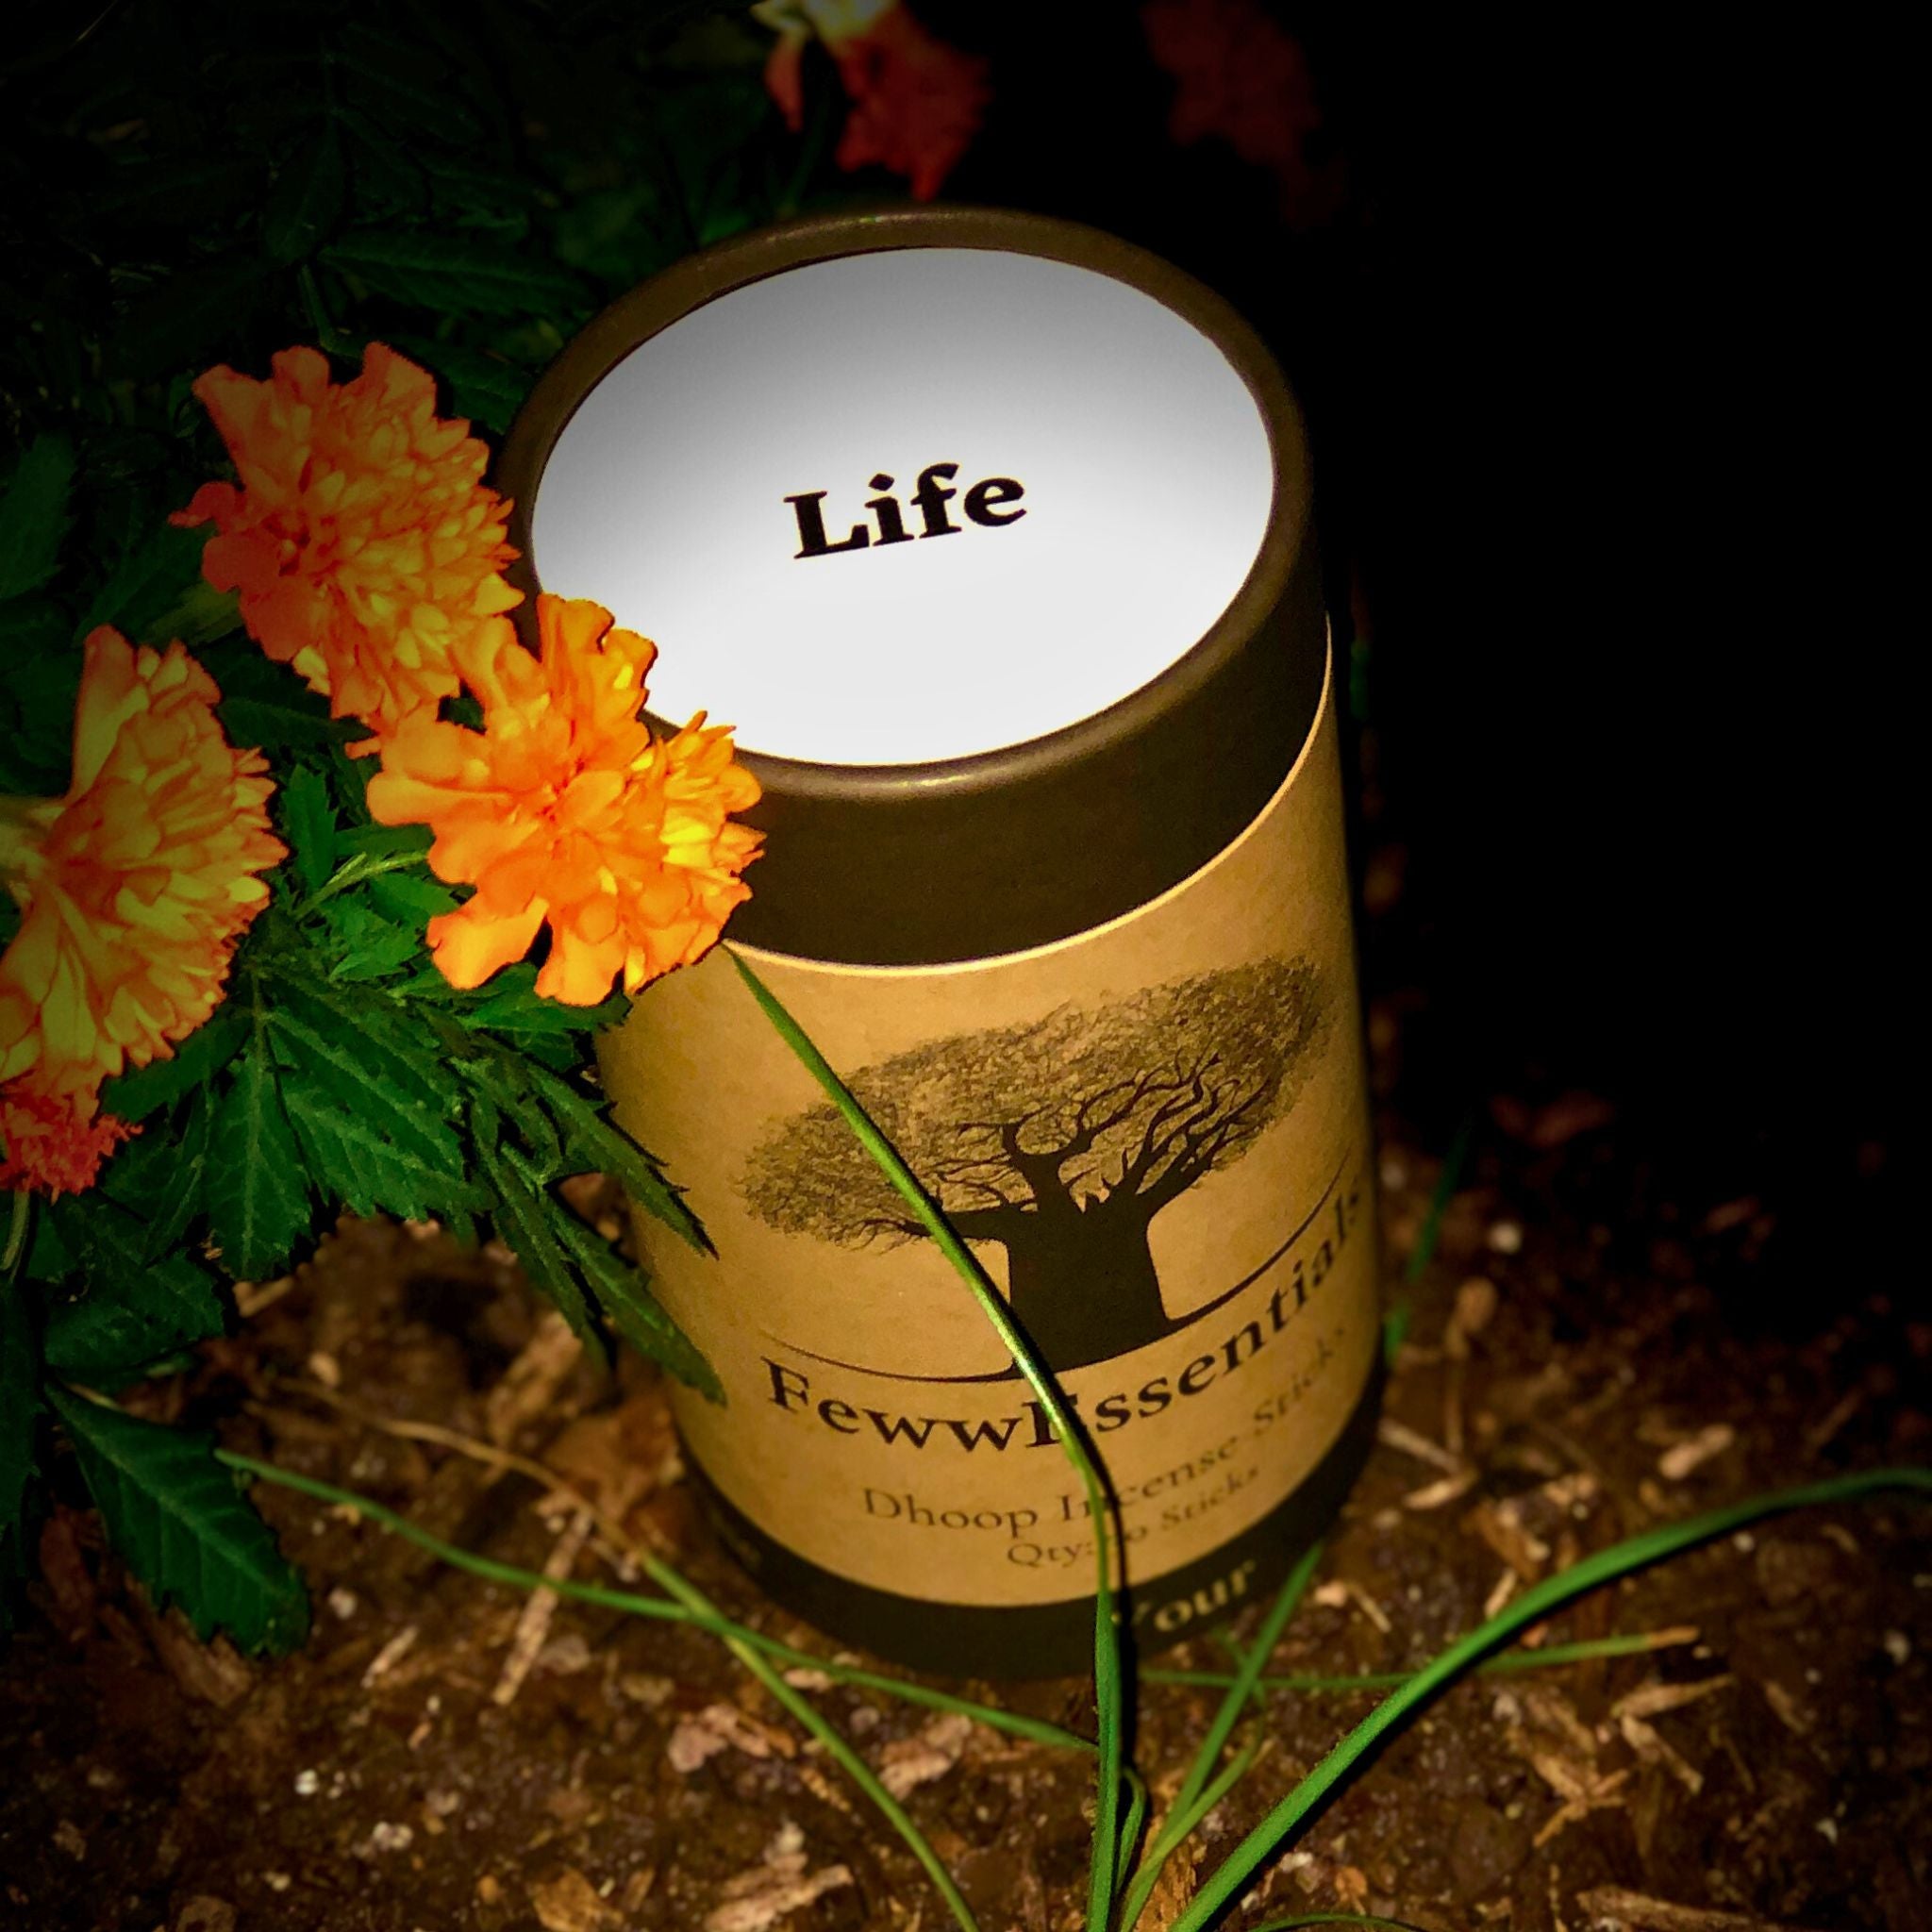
{"x": 306, "y": 201}
{"x": 387, "y": 176}
{"x": 136, "y": 1307}
{"x": 193, "y": 318}
{"x": 175, "y": 1517}
{"x": 482, "y": 387}
{"x": 198, "y": 616}
{"x": 152, "y": 579}
{"x": 451, "y": 274}
{"x": 158, "y": 1176}
{"x": 34, "y": 515}
{"x": 37, "y": 699}
{"x": 258, "y": 1203}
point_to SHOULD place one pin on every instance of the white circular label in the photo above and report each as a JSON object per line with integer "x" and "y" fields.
{"x": 901, "y": 506}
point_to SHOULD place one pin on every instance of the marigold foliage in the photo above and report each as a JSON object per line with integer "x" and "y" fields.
{"x": 565, "y": 810}
{"x": 362, "y": 542}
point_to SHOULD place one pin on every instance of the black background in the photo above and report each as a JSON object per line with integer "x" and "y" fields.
{"x": 1601, "y": 352}
{"x": 1601, "y": 360}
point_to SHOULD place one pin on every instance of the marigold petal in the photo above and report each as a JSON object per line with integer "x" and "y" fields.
{"x": 470, "y": 944}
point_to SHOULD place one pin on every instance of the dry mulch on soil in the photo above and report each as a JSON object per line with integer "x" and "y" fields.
{"x": 447, "y": 1753}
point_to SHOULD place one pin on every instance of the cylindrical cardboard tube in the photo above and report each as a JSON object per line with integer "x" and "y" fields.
{"x": 1054, "y": 875}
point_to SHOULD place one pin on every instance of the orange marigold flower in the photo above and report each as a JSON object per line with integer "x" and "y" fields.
{"x": 916, "y": 101}
{"x": 133, "y": 890}
{"x": 363, "y": 541}
{"x": 564, "y": 808}
{"x": 1241, "y": 75}
{"x": 49, "y": 1147}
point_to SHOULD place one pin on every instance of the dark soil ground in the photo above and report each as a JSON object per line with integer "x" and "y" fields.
{"x": 436, "y": 1758}
{"x": 1591, "y": 1352}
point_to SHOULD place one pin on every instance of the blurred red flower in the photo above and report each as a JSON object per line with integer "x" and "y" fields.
{"x": 916, "y": 101}
{"x": 1243, "y": 77}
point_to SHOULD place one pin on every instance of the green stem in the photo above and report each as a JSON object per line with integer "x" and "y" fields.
{"x": 691, "y": 1608}
{"x": 1187, "y": 1810}
{"x": 1108, "y": 1697}
{"x": 352, "y": 871}
{"x": 854, "y": 1766}
{"x": 1446, "y": 1184}
{"x": 1235, "y": 1874}
{"x": 1035, "y": 1729}
{"x": 20, "y": 1221}
{"x": 1512, "y": 1663}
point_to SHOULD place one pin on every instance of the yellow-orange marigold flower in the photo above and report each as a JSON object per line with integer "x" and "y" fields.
{"x": 564, "y": 808}
{"x": 133, "y": 890}
{"x": 49, "y": 1147}
{"x": 363, "y": 541}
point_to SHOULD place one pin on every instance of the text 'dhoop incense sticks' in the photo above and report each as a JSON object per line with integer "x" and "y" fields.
{"x": 991, "y": 535}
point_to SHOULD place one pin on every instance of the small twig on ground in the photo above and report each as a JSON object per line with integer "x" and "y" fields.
{"x": 533, "y": 1626}
{"x": 1612, "y": 1905}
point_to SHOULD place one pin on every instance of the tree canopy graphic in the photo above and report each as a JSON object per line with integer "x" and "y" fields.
{"x": 1061, "y": 1141}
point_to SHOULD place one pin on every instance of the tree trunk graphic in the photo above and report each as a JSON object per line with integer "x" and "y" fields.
{"x": 1061, "y": 1142}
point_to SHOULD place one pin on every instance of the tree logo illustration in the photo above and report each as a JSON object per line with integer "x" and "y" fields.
{"x": 1061, "y": 1141}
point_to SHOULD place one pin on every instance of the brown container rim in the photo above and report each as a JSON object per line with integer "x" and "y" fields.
{"x": 969, "y": 857}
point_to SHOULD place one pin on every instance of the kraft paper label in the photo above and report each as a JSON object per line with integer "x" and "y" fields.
{"x": 1155, "y": 1136}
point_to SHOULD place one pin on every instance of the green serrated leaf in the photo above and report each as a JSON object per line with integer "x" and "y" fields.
{"x": 135, "y": 1306}
{"x": 34, "y": 515}
{"x": 258, "y": 1203}
{"x": 177, "y": 1520}
{"x": 456, "y": 276}
{"x": 308, "y": 822}
{"x": 20, "y": 1402}
{"x": 211, "y": 1045}
{"x": 639, "y": 1315}
{"x": 159, "y": 1175}
{"x": 368, "y": 946}
{"x": 368, "y": 1173}
{"x": 260, "y": 727}
{"x": 306, "y": 201}
{"x": 598, "y": 1145}
{"x": 409, "y": 898}
{"x": 355, "y": 1048}
{"x": 522, "y": 1222}
{"x": 514, "y": 1007}
{"x": 384, "y": 841}
{"x": 111, "y": 1333}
